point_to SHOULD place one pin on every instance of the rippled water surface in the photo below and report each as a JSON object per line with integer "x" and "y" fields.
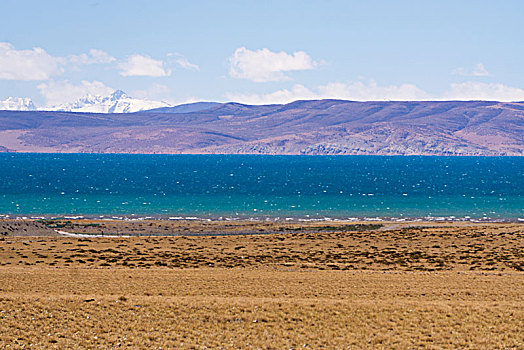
{"x": 259, "y": 186}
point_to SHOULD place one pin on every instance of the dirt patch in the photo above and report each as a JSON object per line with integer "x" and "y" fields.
{"x": 25, "y": 228}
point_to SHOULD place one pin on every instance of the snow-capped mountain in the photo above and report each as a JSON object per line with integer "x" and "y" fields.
{"x": 117, "y": 102}
{"x": 17, "y": 104}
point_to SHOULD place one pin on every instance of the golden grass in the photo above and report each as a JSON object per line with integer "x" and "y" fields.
{"x": 487, "y": 247}
{"x": 246, "y": 308}
{"x": 326, "y": 289}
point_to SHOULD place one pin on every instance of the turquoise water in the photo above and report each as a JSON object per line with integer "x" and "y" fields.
{"x": 261, "y": 186}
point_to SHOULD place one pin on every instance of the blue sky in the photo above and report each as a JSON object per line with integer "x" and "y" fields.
{"x": 262, "y": 51}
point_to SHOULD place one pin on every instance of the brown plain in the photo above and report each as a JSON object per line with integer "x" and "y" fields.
{"x": 267, "y": 285}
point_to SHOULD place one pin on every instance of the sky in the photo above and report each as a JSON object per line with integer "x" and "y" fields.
{"x": 259, "y": 52}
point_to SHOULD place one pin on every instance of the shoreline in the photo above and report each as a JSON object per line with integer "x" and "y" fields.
{"x": 302, "y": 218}
{"x": 442, "y": 155}
{"x": 82, "y": 227}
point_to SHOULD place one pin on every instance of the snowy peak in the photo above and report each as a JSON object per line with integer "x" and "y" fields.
{"x": 117, "y": 102}
{"x": 17, "y": 104}
{"x": 118, "y": 94}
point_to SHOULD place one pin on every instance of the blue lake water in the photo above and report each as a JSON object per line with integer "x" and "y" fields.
{"x": 261, "y": 186}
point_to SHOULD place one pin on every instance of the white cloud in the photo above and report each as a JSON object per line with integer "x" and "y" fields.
{"x": 34, "y": 64}
{"x": 154, "y": 92}
{"x": 360, "y": 91}
{"x": 478, "y": 71}
{"x": 297, "y": 92}
{"x": 264, "y": 65}
{"x": 95, "y": 56}
{"x": 59, "y": 92}
{"x": 37, "y": 64}
{"x": 159, "y": 92}
{"x": 357, "y": 91}
{"x": 139, "y": 65}
{"x": 483, "y": 91}
{"x": 183, "y": 61}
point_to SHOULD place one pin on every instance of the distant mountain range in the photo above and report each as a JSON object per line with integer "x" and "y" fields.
{"x": 117, "y": 102}
{"x": 302, "y": 127}
{"x": 17, "y": 104}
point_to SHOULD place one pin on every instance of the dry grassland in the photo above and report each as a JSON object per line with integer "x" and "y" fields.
{"x": 487, "y": 247}
{"x": 313, "y": 286}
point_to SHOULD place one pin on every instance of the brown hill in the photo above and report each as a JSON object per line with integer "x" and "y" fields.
{"x": 301, "y": 127}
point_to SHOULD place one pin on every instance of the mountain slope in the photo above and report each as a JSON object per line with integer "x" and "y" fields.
{"x": 185, "y": 108}
{"x": 301, "y": 127}
{"x": 117, "y": 102}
